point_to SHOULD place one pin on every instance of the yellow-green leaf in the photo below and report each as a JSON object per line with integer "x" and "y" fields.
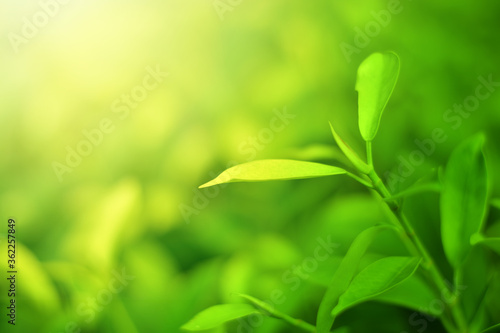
{"x": 263, "y": 170}
{"x": 218, "y": 315}
{"x": 377, "y": 76}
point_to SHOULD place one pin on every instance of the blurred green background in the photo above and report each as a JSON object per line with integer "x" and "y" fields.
{"x": 131, "y": 205}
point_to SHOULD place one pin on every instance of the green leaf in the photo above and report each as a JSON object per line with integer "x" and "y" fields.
{"x": 375, "y": 279}
{"x": 343, "y": 276}
{"x": 263, "y": 170}
{"x": 413, "y": 294}
{"x": 377, "y": 76}
{"x": 473, "y": 285}
{"x": 350, "y": 154}
{"x": 218, "y": 315}
{"x": 463, "y": 199}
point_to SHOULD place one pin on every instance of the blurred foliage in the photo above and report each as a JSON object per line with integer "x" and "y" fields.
{"x": 122, "y": 207}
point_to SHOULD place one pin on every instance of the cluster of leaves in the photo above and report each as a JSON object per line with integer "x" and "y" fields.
{"x": 402, "y": 281}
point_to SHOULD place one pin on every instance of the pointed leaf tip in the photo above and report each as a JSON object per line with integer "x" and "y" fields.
{"x": 208, "y": 184}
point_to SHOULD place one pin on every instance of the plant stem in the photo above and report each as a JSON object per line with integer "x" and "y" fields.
{"x": 492, "y": 328}
{"x": 415, "y": 246}
{"x": 369, "y": 156}
{"x": 360, "y": 180}
{"x": 298, "y": 323}
{"x": 268, "y": 310}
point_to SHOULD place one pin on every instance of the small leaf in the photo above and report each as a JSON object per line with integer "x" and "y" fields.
{"x": 377, "y": 76}
{"x": 375, "y": 279}
{"x": 350, "y": 154}
{"x": 274, "y": 170}
{"x": 343, "y": 276}
{"x": 463, "y": 199}
{"x": 218, "y": 315}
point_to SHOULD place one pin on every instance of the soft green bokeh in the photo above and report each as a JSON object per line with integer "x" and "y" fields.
{"x": 263, "y": 82}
